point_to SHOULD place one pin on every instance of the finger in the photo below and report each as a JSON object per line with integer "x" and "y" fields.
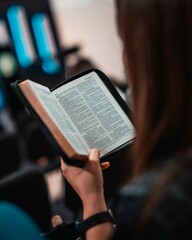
{"x": 63, "y": 165}
{"x": 94, "y": 155}
{"x": 56, "y": 220}
{"x": 105, "y": 165}
{"x": 65, "y": 168}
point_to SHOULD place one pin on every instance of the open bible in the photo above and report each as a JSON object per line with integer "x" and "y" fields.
{"x": 79, "y": 114}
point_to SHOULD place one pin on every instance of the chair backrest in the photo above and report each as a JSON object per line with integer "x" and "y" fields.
{"x": 36, "y": 144}
{"x": 27, "y": 189}
{"x": 10, "y": 154}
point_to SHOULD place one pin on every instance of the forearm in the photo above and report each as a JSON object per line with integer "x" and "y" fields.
{"x": 94, "y": 204}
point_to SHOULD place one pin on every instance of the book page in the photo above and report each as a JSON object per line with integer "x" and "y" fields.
{"x": 96, "y": 115}
{"x": 57, "y": 114}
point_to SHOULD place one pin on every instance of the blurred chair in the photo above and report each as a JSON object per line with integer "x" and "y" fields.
{"x": 38, "y": 150}
{"x": 10, "y": 154}
{"x": 27, "y": 189}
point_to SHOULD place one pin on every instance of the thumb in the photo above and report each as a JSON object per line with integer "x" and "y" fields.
{"x": 94, "y": 155}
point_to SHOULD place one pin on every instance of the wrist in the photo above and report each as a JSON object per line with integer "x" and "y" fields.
{"x": 94, "y": 204}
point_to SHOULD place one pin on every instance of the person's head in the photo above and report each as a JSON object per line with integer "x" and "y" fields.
{"x": 157, "y": 41}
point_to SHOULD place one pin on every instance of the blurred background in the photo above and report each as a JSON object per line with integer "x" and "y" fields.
{"x": 48, "y": 42}
{"x": 91, "y": 23}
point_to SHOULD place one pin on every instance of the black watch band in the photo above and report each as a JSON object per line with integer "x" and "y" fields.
{"x": 98, "y": 218}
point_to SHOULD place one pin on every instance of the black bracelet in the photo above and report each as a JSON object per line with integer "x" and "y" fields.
{"x": 96, "y": 219}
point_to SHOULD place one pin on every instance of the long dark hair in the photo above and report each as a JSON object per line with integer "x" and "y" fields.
{"x": 157, "y": 40}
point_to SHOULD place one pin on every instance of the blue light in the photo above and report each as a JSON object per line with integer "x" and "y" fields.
{"x": 17, "y": 31}
{"x": 40, "y": 36}
{"x": 49, "y": 65}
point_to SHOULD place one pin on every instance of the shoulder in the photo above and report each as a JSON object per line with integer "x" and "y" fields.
{"x": 128, "y": 204}
{"x": 171, "y": 215}
{"x": 136, "y": 191}
{"x": 172, "y": 210}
